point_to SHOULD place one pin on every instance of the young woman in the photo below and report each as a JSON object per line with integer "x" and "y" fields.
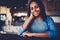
{"x": 38, "y": 24}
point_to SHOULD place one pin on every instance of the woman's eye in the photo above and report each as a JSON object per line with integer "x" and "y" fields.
{"x": 36, "y": 6}
{"x": 31, "y": 8}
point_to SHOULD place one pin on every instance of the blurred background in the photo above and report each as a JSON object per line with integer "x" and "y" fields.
{"x": 13, "y": 14}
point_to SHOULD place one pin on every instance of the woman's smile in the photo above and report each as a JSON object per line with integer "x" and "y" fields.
{"x": 35, "y": 13}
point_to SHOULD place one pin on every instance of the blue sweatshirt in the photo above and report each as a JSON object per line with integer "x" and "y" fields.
{"x": 46, "y": 25}
{"x": 39, "y": 26}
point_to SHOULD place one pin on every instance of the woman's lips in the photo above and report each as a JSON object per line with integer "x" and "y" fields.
{"x": 35, "y": 12}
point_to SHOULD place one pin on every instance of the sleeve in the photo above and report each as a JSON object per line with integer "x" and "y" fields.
{"x": 20, "y": 31}
{"x": 52, "y": 28}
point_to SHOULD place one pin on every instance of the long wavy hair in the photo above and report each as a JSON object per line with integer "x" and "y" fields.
{"x": 40, "y": 4}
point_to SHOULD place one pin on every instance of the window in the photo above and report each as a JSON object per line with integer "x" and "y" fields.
{"x": 53, "y": 5}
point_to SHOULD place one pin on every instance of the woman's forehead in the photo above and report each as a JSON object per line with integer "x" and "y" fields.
{"x": 33, "y": 3}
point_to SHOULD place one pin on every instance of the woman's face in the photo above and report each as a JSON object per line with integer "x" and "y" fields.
{"x": 35, "y": 9}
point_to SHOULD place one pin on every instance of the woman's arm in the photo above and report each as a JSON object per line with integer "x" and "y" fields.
{"x": 52, "y": 28}
{"x": 45, "y": 34}
{"x": 26, "y": 23}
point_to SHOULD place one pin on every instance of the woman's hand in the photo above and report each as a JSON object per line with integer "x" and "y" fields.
{"x": 31, "y": 15}
{"x": 27, "y": 22}
{"x": 27, "y": 34}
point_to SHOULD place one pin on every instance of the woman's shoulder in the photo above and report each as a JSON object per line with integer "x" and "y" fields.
{"x": 49, "y": 19}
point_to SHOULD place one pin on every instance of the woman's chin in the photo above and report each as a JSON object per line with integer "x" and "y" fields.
{"x": 36, "y": 15}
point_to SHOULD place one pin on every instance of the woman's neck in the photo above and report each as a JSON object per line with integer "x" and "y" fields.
{"x": 38, "y": 18}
